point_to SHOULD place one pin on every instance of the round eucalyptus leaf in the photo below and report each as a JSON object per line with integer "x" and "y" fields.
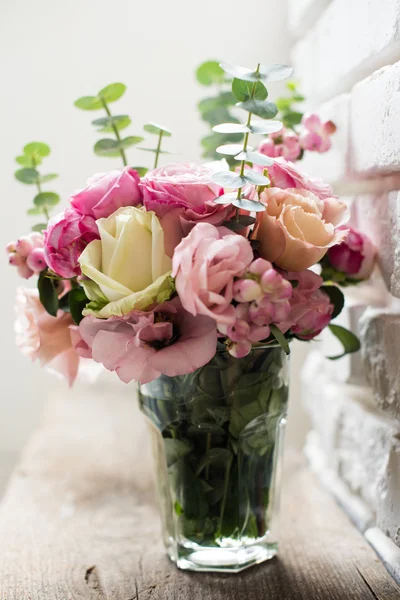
{"x": 210, "y": 73}
{"x": 104, "y": 146}
{"x": 112, "y": 92}
{"x": 249, "y": 205}
{"x": 230, "y": 149}
{"x": 107, "y": 124}
{"x": 25, "y": 161}
{"x": 46, "y": 199}
{"x": 261, "y": 108}
{"x": 40, "y": 227}
{"x": 231, "y": 128}
{"x": 129, "y": 141}
{"x": 27, "y": 175}
{"x": 255, "y": 157}
{"x": 89, "y": 103}
{"x": 275, "y": 72}
{"x": 292, "y": 118}
{"x": 141, "y": 171}
{"x": 240, "y": 72}
{"x": 261, "y": 128}
{"x": 256, "y": 178}
{"x": 228, "y": 179}
{"x": 225, "y": 198}
{"x": 48, "y": 177}
{"x": 153, "y": 150}
{"x": 156, "y": 129}
{"x": 243, "y": 90}
{"x": 39, "y": 148}
{"x": 219, "y": 115}
{"x": 35, "y": 211}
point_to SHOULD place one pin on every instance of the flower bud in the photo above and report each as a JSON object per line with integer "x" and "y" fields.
{"x": 36, "y": 260}
{"x": 246, "y": 290}
{"x": 24, "y": 246}
{"x": 240, "y": 349}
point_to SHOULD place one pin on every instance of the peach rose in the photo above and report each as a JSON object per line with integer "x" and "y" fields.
{"x": 292, "y": 231}
{"x": 43, "y": 337}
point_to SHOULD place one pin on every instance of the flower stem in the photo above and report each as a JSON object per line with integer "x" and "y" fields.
{"x": 223, "y": 501}
{"x": 44, "y": 207}
{"x": 245, "y": 142}
{"x": 158, "y": 150}
{"x": 116, "y": 132}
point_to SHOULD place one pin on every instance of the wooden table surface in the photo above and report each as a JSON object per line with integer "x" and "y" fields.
{"x": 78, "y": 521}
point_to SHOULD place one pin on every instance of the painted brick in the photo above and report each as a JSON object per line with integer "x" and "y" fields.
{"x": 379, "y": 216}
{"x": 380, "y": 337}
{"x": 303, "y": 14}
{"x": 348, "y": 42}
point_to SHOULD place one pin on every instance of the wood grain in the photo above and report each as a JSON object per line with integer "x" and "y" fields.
{"x": 79, "y": 521}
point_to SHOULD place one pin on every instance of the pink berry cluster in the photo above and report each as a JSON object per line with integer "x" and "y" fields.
{"x": 262, "y": 297}
{"x": 283, "y": 143}
{"x": 27, "y": 255}
{"x": 316, "y": 134}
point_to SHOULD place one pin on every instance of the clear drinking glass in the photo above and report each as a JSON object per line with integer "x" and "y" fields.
{"x": 217, "y": 437}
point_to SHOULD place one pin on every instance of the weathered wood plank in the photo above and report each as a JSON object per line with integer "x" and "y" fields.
{"x": 79, "y": 522}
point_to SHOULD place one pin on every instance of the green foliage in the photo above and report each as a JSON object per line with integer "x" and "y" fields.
{"x": 48, "y": 293}
{"x": 261, "y": 108}
{"x": 110, "y": 147}
{"x": 287, "y": 106}
{"x": 255, "y": 158}
{"x": 336, "y": 297}
{"x": 349, "y": 341}
{"x": 210, "y": 73}
{"x": 107, "y": 124}
{"x": 242, "y": 90}
{"x": 32, "y": 157}
{"x": 280, "y": 338}
{"x": 77, "y": 301}
{"x": 157, "y": 129}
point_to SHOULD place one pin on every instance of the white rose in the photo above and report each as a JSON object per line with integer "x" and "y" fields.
{"x": 128, "y": 265}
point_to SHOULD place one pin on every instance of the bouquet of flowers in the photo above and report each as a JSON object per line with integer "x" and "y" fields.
{"x": 178, "y": 276}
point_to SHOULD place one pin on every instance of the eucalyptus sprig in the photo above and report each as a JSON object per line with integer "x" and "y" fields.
{"x": 30, "y": 159}
{"x": 290, "y": 114}
{"x": 161, "y": 132}
{"x": 251, "y": 93}
{"x": 110, "y": 123}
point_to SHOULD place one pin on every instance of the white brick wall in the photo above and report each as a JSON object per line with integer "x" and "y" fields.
{"x": 346, "y": 56}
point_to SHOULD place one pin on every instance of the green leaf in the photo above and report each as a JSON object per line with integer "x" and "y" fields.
{"x": 336, "y": 297}
{"x": 291, "y": 85}
{"x": 230, "y": 149}
{"x": 48, "y": 177}
{"x": 225, "y": 198}
{"x": 284, "y": 104}
{"x": 218, "y": 115}
{"x": 112, "y": 92}
{"x": 77, "y": 302}
{"x": 37, "y": 148}
{"x": 260, "y": 128}
{"x": 175, "y": 449}
{"x": 25, "y": 161}
{"x": 244, "y": 89}
{"x": 256, "y": 178}
{"x": 153, "y": 150}
{"x": 244, "y": 221}
{"x": 250, "y": 205}
{"x": 110, "y": 147}
{"x": 228, "y": 179}
{"x": 27, "y": 175}
{"x": 292, "y": 118}
{"x": 210, "y": 73}
{"x": 106, "y": 124}
{"x": 212, "y": 103}
{"x": 349, "y": 341}
{"x": 218, "y": 457}
{"x": 156, "y": 129}
{"x": 48, "y": 293}
{"x": 89, "y": 103}
{"x": 240, "y": 72}
{"x": 261, "y": 108}
{"x": 140, "y": 170}
{"x": 39, "y": 227}
{"x": 46, "y": 199}
{"x": 131, "y": 140}
{"x": 34, "y": 212}
{"x": 275, "y": 72}
{"x": 231, "y": 128}
{"x": 256, "y": 158}
{"x": 280, "y": 338}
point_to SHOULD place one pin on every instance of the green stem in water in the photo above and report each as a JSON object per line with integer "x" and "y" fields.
{"x": 223, "y": 501}
{"x": 245, "y": 142}
{"x": 207, "y": 474}
{"x": 116, "y": 132}
{"x": 158, "y": 150}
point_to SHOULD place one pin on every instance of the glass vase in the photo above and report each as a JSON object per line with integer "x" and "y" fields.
{"x": 217, "y": 437}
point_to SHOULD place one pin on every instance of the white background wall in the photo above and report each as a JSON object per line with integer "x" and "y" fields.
{"x": 54, "y": 52}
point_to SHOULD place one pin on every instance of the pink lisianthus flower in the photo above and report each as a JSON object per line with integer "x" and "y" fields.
{"x": 182, "y": 196}
{"x": 66, "y": 236}
{"x": 311, "y": 308}
{"x": 205, "y": 265}
{"x": 316, "y": 133}
{"x": 43, "y": 337}
{"x": 282, "y": 143}
{"x": 143, "y": 345}
{"x": 27, "y": 255}
{"x": 107, "y": 192}
{"x": 355, "y": 256}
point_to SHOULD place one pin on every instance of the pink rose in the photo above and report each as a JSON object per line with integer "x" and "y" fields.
{"x": 205, "y": 264}
{"x": 43, "y": 337}
{"x": 292, "y": 231}
{"x": 66, "y": 236}
{"x": 311, "y": 309}
{"x": 284, "y": 174}
{"x": 142, "y": 345}
{"x": 355, "y": 256}
{"x": 107, "y": 192}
